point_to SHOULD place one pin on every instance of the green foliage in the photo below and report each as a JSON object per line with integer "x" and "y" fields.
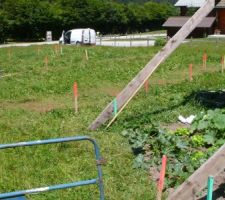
{"x": 159, "y": 42}
{"x": 29, "y": 20}
{"x": 186, "y": 149}
{"x": 182, "y": 131}
{"x": 212, "y": 123}
{"x": 144, "y": 1}
{"x": 3, "y": 26}
{"x": 197, "y": 140}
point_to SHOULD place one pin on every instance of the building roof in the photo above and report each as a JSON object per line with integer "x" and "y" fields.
{"x": 190, "y": 3}
{"x": 221, "y": 4}
{"x": 207, "y": 22}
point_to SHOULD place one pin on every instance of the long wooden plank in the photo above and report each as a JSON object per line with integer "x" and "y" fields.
{"x": 133, "y": 87}
{"x": 198, "y": 180}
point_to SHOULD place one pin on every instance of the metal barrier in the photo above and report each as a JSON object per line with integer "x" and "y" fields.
{"x": 21, "y": 194}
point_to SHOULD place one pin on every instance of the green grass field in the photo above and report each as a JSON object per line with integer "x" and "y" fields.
{"x": 36, "y": 102}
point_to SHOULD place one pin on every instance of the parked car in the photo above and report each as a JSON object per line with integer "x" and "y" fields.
{"x": 79, "y": 37}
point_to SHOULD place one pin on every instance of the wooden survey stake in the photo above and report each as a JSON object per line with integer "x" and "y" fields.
{"x": 75, "y": 91}
{"x": 204, "y": 61}
{"x": 38, "y": 51}
{"x": 86, "y": 55}
{"x": 146, "y": 86}
{"x": 191, "y": 72}
{"x": 57, "y": 49}
{"x": 9, "y": 53}
{"x": 46, "y": 61}
{"x": 61, "y": 50}
{"x": 222, "y": 63}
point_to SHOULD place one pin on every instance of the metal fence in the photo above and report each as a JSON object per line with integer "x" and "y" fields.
{"x": 99, "y": 162}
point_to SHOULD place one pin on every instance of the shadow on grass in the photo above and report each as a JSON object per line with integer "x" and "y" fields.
{"x": 204, "y": 98}
{"x": 211, "y": 99}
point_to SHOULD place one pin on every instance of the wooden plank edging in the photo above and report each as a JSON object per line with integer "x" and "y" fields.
{"x": 198, "y": 180}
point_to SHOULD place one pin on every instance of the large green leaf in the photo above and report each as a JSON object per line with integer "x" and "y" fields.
{"x": 209, "y": 139}
{"x": 203, "y": 125}
{"x": 219, "y": 121}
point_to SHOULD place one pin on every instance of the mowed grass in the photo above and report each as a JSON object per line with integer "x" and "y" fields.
{"x": 36, "y": 102}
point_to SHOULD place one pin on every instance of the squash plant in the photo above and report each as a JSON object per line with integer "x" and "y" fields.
{"x": 186, "y": 149}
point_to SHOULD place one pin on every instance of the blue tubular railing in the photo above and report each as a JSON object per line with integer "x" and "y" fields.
{"x": 99, "y": 161}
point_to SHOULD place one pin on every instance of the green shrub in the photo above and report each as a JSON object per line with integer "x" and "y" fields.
{"x": 159, "y": 42}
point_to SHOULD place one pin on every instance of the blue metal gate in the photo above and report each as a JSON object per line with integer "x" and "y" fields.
{"x": 20, "y": 195}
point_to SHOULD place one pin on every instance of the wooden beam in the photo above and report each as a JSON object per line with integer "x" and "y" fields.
{"x": 133, "y": 87}
{"x": 198, "y": 180}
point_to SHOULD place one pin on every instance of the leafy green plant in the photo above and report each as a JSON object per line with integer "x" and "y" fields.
{"x": 182, "y": 131}
{"x": 159, "y": 42}
{"x": 197, "y": 140}
{"x": 186, "y": 149}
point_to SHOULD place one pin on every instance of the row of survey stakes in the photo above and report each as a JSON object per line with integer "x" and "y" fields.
{"x": 57, "y": 50}
{"x": 161, "y": 181}
{"x": 146, "y": 84}
{"x": 204, "y": 65}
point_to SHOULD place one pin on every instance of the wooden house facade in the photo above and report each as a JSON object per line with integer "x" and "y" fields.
{"x": 213, "y": 23}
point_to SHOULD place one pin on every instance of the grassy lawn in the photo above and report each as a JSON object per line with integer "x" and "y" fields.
{"x": 36, "y": 102}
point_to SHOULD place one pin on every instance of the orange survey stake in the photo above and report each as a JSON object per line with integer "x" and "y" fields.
{"x": 191, "y": 72}
{"x": 146, "y": 86}
{"x": 75, "y": 90}
{"x": 162, "y": 174}
{"x": 204, "y": 57}
{"x": 162, "y": 178}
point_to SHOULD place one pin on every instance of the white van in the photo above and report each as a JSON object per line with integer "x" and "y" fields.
{"x": 78, "y": 37}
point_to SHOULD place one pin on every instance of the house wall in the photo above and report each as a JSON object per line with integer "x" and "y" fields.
{"x": 183, "y": 11}
{"x": 221, "y": 20}
{"x": 197, "y": 33}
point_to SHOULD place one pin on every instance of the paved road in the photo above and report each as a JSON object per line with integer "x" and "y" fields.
{"x": 133, "y": 43}
{"x": 27, "y": 44}
{"x": 123, "y": 41}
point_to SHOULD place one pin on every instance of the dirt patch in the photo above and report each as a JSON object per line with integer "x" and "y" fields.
{"x": 112, "y": 91}
{"x": 38, "y": 106}
{"x": 175, "y": 126}
{"x": 35, "y": 106}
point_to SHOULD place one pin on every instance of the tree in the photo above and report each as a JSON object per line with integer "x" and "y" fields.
{"x": 29, "y": 19}
{"x": 3, "y": 26}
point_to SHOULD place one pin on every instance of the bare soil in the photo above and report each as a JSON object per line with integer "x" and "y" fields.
{"x": 35, "y": 106}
